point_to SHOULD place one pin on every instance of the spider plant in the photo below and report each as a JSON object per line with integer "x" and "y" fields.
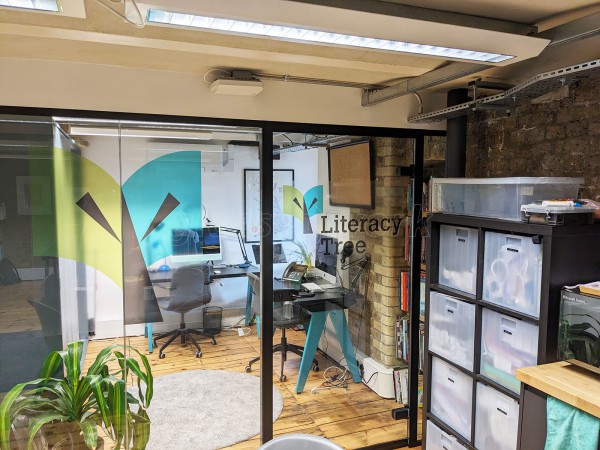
{"x": 98, "y": 398}
{"x": 302, "y": 254}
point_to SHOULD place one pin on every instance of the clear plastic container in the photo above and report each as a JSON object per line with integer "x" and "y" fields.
{"x": 496, "y": 420}
{"x": 458, "y": 258}
{"x": 512, "y": 272}
{"x": 452, "y": 329}
{"x": 499, "y": 198}
{"x": 451, "y": 396}
{"x": 507, "y": 344}
{"x": 437, "y": 439}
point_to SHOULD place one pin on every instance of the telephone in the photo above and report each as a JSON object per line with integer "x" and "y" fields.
{"x": 294, "y": 272}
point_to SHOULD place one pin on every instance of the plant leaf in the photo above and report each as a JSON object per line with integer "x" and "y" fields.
{"x": 37, "y": 422}
{"x": 140, "y": 429}
{"x": 73, "y": 363}
{"x": 90, "y": 433}
{"x": 149, "y": 378}
{"x": 51, "y": 363}
{"x": 96, "y": 382}
{"x": 117, "y": 399}
{"x": 5, "y": 411}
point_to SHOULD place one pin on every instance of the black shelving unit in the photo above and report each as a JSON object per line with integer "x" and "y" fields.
{"x": 569, "y": 255}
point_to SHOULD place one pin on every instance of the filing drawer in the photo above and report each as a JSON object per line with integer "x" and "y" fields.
{"x": 458, "y": 258}
{"x": 512, "y": 272}
{"x": 507, "y": 344}
{"x": 496, "y": 420}
{"x": 452, "y": 329}
{"x": 437, "y": 439}
{"x": 451, "y": 396}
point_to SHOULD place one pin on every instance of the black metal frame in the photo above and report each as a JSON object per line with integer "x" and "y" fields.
{"x": 569, "y": 253}
{"x": 268, "y": 128}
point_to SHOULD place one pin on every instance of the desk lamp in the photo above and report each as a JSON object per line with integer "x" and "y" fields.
{"x": 238, "y": 233}
{"x": 362, "y": 262}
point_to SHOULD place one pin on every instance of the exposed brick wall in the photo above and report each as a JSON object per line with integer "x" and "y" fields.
{"x": 557, "y": 134}
{"x": 374, "y": 332}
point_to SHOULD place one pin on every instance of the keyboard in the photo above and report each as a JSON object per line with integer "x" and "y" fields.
{"x": 312, "y": 287}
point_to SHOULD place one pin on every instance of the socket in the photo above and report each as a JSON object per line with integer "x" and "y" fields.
{"x": 240, "y": 331}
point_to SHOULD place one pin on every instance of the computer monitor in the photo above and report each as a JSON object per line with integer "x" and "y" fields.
{"x": 326, "y": 256}
{"x": 192, "y": 245}
{"x": 278, "y": 253}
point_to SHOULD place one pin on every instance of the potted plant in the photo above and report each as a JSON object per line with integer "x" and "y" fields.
{"x": 77, "y": 404}
{"x": 303, "y": 256}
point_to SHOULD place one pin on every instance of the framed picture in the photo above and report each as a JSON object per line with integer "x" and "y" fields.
{"x": 34, "y": 196}
{"x": 283, "y": 224}
{"x": 351, "y": 175}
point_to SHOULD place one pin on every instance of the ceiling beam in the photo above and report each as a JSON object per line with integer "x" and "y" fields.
{"x": 583, "y": 28}
{"x": 426, "y": 14}
{"x": 444, "y": 74}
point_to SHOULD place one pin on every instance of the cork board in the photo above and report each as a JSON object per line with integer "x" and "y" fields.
{"x": 351, "y": 175}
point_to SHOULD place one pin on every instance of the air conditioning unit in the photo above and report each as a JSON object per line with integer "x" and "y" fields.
{"x": 215, "y": 158}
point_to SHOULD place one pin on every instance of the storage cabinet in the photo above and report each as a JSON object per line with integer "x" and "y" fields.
{"x": 492, "y": 307}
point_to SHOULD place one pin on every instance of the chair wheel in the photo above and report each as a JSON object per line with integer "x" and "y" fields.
{"x": 282, "y": 378}
{"x": 248, "y": 369}
{"x": 198, "y": 354}
{"x": 315, "y": 368}
{"x": 213, "y": 342}
{"x": 162, "y": 356}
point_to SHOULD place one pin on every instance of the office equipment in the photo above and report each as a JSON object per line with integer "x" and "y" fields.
{"x": 189, "y": 290}
{"x": 312, "y": 287}
{"x": 294, "y": 272}
{"x": 579, "y": 331}
{"x": 285, "y": 315}
{"x": 361, "y": 263}
{"x": 326, "y": 254}
{"x": 278, "y": 253}
{"x": 194, "y": 245}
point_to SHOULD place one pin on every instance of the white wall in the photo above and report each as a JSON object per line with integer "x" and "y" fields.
{"x": 59, "y": 84}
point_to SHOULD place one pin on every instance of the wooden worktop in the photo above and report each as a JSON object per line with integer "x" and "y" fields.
{"x": 566, "y": 382}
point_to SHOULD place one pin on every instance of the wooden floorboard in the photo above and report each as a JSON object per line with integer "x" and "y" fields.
{"x": 353, "y": 418}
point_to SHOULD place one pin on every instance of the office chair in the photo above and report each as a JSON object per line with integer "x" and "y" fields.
{"x": 189, "y": 290}
{"x": 285, "y": 315}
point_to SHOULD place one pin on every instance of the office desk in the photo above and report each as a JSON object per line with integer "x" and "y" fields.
{"x": 226, "y": 272}
{"x": 330, "y": 303}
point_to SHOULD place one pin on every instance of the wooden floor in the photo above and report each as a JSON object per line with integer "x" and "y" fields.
{"x": 353, "y": 418}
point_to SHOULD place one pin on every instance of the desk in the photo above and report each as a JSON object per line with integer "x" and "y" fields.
{"x": 226, "y": 272}
{"x": 331, "y": 303}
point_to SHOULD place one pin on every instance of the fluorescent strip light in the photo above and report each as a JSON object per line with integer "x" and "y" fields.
{"x": 38, "y": 5}
{"x": 322, "y": 37}
{"x": 141, "y": 133}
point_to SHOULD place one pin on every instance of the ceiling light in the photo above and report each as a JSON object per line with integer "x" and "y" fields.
{"x": 39, "y": 5}
{"x": 322, "y": 37}
{"x": 140, "y": 133}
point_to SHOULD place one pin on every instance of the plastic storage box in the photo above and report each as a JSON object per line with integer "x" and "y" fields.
{"x": 452, "y": 394}
{"x": 557, "y": 215}
{"x": 500, "y": 198}
{"x": 437, "y": 439}
{"x": 496, "y": 419}
{"x": 512, "y": 272}
{"x": 452, "y": 329}
{"x": 458, "y": 258}
{"x": 507, "y": 344}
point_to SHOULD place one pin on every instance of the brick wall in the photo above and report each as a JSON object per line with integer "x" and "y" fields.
{"x": 373, "y": 325}
{"x": 557, "y": 134}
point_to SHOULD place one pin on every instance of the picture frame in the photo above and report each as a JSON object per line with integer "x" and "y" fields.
{"x": 283, "y": 224}
{"x": 352, "y": 175}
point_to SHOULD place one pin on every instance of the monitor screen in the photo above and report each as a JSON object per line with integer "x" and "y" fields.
{"x": 326, "y": 255}
{"x": 196, "y": 244}
{"x": 278, "y": 253}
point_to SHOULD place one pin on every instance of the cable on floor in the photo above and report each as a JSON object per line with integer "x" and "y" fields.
{"x": 335, "y": 377}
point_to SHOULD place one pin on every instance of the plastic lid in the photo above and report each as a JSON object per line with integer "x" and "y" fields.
{"x": 511, "y": 180}
{"x": 537, "y": 208}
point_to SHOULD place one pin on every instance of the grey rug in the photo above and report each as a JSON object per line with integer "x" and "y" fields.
{"x": 206, "y": 409}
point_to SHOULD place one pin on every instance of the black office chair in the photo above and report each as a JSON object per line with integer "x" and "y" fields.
{"x": 285, "y": 315}
{"x": 189, "y": 290}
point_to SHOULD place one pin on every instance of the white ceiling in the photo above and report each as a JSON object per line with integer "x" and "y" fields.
{"x": 103, "y": 38}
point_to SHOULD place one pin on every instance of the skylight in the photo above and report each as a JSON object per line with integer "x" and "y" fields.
{"x": 39, "y": 5}
{"x": 322, "y": 37}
